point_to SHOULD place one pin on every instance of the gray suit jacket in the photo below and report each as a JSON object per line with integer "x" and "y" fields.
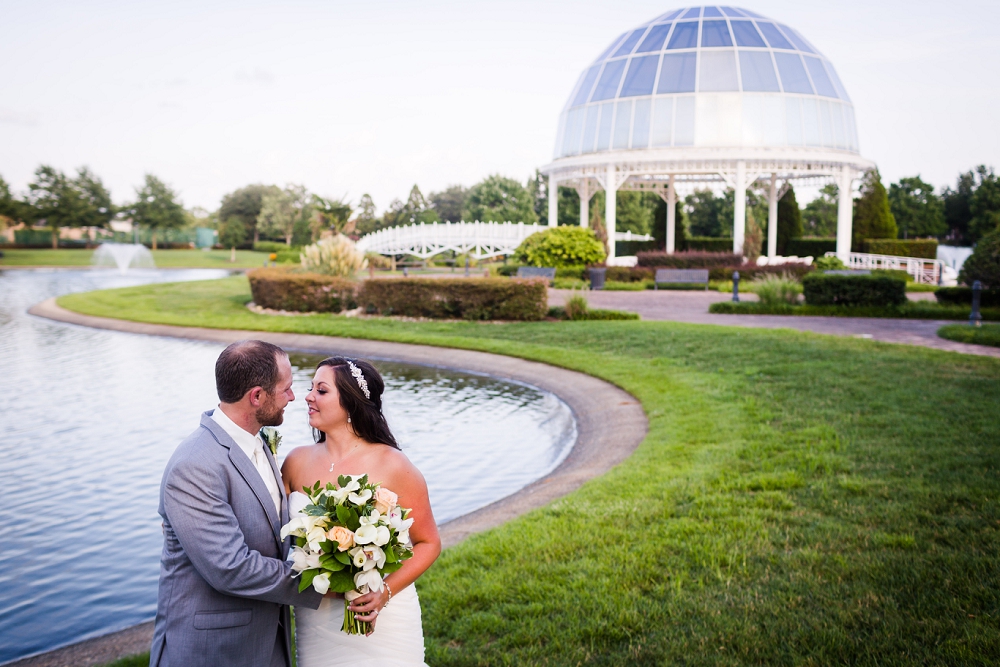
{"x": 224, "y": 584}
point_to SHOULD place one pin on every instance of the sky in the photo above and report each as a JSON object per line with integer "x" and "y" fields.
{"x": 353, "y": 98}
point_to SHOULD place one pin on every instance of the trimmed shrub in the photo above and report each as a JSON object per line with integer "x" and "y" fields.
{"x": 576, "y": 307}
{"x": 508, "y": 270}
{"x": 823, "y": 289}
{"x": 984, "y": 262}
{"x": 283, "y": 289}
{"x": 709, "y": 244}
{"x": 751, "y": 272}
{"x": 923, "y": 248}
{"x": 629, "y": 274}
{"x": 559, "y": 313}
{"x": 962, "y": 296}
{"x": 457, "y": 298}
{"x": 811, "y": 247}
{"x": 688, "y": 260}
{"x": 987, "y": 334}
{"x": 578, "y": 272}
{"x": 828, "y": 264}
{"x": 773, "y": 289}
{"x": 561, "y": 246}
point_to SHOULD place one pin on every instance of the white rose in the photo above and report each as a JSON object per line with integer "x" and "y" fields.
{"x": 321, "y": 582}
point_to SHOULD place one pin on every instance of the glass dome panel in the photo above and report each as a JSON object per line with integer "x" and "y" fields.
{"x": 629, "y": 43}
{"x": 793, "y": 74}
{"x": 655, "y": 39}
{"x": 607, "y": 86}
{"x": 822, "y": 82}
{"x": 677, "y": 73}
{"x": 746, "y": 34}
{"x": 715, "y": 33}
{"x": 732, "y": 11}
{"x": 640, "y": 77}
{"x": 718, "y": 71}
{"x": 611, "y": 48}
{"x": 774, "y": 36}
{"x": 712, "y": 12}
{"x": 693, "y": 13}
{"x": 758, "y": 72}
{"x": 796, "y": 39}
{"x": 586, "y": 85}
{"x": 685, "y": 36}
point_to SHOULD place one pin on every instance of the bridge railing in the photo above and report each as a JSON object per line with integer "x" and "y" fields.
{"x": 925, "y": 271}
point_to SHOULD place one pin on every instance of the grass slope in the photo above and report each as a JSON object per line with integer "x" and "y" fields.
{"x": 165, "y": 259}
{"x": 987, "y": 334}
{"x": 799, "y": 500}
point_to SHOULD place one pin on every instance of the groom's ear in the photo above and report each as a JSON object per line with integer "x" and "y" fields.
{"x": 256, "y": 396}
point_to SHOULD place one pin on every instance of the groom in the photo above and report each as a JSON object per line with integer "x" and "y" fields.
{"x": 224, "y": 584}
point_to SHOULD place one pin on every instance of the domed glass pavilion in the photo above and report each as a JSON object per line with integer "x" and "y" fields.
{"x": 702, "y": 96}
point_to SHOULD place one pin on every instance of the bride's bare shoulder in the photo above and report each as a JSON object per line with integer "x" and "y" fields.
{"x": 297, "y": 458}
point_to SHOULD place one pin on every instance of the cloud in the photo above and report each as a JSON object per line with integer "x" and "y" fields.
{"x": 13, "y": 117}
{"x": 257, "y": 76}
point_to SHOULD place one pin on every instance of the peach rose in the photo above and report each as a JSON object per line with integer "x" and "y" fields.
{"x": 343, "y": 537}
{"x": 385, "y": 500}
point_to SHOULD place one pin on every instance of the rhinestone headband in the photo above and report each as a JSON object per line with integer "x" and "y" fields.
{"x": 360, "y": 378}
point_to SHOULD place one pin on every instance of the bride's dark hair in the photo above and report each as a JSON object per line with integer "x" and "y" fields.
{"x": 366, "y": 415}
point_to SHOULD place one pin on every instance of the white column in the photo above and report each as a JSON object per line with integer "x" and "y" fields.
{"x": 584, "y": 191}
{"x": 671, "y": 215}
{"x": 772, "y": 218}
{"x": 739, "y": 207}
{"x": 845, "y": 212}
{"x": 553, "y": 201}
{"x": 610, "y": 202}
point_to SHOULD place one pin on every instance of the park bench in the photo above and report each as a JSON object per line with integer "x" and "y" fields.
{"x": 681, "y": 276}
{"x": 545, "y": 272}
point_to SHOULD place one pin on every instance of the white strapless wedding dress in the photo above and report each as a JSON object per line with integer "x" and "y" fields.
{"x": 398, "y": 639}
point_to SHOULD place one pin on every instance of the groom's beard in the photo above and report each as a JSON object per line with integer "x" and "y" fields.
{"x": 269, "y": 414}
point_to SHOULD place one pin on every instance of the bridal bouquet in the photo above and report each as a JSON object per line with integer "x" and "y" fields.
{"x": 347, "y": 539}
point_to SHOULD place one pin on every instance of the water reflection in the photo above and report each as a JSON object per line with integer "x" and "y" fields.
{"x": 94, "y": 415}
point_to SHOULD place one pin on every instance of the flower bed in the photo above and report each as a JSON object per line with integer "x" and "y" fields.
{"x": 456, "y": 298}
{"x": 284, "y": 289}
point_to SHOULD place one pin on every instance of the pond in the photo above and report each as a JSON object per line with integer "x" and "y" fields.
{"x": 92, "y": 417}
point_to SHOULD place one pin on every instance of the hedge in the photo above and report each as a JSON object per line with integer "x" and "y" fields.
{"x": 559, "y": 313}
{"x": 710, "y": 244}
{"x": 923, "y": 248}
{"x": 919, "y": 310}
{"x": 688, "y": 260}
{"x": 464, "y": 298}
{"x": 962, "y": 296}
{"x": 987, "y": 334}
{"x": 836, "y": 290}
{"x": 811, "y": 247}
{"x": 751, "y": 271}
{"x": 283, "y": 289}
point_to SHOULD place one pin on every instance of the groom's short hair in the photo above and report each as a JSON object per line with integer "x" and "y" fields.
{"x": 244, "y": 365}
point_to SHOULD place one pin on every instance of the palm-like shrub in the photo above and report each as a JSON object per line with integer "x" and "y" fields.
{"x": 561, "y": 246}
{"x": 774, "y": 290}
{"x": 333, "y": 256}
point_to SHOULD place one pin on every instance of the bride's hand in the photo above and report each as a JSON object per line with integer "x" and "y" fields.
{"x": 367, "y": 607}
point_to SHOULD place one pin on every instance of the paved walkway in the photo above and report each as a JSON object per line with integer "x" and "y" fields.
{"x": 692, "y": 307}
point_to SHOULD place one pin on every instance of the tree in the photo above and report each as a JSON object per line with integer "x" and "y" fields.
{"x": 984, "y": 205}
{"x": 417, "y": 208}
{"x": 245, "y": 205}
{"x": 984, "y": 262}
{"x": 569, "y": 207}
{"x": 96, "y": 209}
{"x": 957, "y": 208}
{"x": 820, "y": 215}
{"x": 53, "y": 200}
{"x": 232, "y": 233}
{"x": 332, "y": 214}
{"x": 450, "y": 202}
{"x": 156, "y": 207}
{"x": 500, "y": 199}
{"x": 538, "y": 190}
{"x": 708, "y": 214}
{"x": 10, "y": 208}
{"x": 660, "y": 226}
{"x": 872, "y": 217}
{"x": 366, "y": 222}
{"x": 789, "y": 220}
{"x": 918, "y": 211}
{"x": 281, "y": 210}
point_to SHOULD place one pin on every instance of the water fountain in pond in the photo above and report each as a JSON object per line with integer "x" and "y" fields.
{"x": 123, "y": 255}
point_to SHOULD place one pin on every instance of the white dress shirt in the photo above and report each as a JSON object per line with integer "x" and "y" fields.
{"x": 253, "y": 447}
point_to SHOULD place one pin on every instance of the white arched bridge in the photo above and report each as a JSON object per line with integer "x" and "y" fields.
{"x": 480, "y": 240}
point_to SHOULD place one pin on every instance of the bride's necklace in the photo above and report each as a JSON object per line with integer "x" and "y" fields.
{"x": 343, "y": 457}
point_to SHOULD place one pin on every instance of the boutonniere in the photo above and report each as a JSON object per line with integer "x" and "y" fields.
{"x": 272, "y": 438}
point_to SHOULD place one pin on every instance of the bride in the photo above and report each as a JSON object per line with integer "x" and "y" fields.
{"x": 353, "y": 438}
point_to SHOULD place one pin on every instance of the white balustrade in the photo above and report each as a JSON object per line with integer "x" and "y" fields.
{"x": 924, "y": 271}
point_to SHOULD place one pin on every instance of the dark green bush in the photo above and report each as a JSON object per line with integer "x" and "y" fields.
{"x": 561, "y": 246}
{"x": 962, "y": 296}
{"x": 629, "y": 274}
{"x": 274, "y": 246}
{"x": 987, "y": 334}
{"x": 709, "y": 244}
{"x": 688, "y": 260}
{"x": 284, "y": 289}
{"x": 752, "y": 271}
{"x": 822, "y": 289}
{"x": 457, "y": 298}
{"x": 578, "y": 272}
{"x": 559, "y": 313}
{"x": 984, "y": 262}
{"x": 924, "y": 248}
{"x": 811, "y": 247}
{"x": 508, "y": 270}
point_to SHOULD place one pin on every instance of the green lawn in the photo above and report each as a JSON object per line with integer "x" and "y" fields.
{"x": 165, "y": 259}
{"x": 987, "y": 334}
{"x": 800, "y": 499}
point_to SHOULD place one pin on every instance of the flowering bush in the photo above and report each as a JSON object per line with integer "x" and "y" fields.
{"x": 334, "y": 256}
{"x": 347, "y": 539}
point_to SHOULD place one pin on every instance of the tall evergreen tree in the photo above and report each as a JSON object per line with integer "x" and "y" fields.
{"x": 789, "y": 220}
{"x": 918, "y": 211}
{"x": 872, "y": 216}
{"x": 985, "y": 205}
{"x": 449, "y": 202}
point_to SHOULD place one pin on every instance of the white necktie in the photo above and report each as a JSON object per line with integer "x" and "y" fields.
{"x": 266, "y": 474}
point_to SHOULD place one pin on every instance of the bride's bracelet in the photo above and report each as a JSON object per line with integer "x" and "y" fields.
{"x": 388, "y": 588}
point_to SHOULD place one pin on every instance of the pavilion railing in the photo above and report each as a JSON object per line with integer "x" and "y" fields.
{"x": 924, "y": 271}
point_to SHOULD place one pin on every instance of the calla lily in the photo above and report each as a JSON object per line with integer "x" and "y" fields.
{"x": 382, "y": 537}
{"x": 321, "y": 582}
{"x": 299, "y": 559}
{"x": 370, "y": 578}
{"x": 365, "y": 534}
{"x": 358, "y": 557}
{"x": 360, "y": 498}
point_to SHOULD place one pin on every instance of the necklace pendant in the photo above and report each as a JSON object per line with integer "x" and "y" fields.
{"x": 331, "y": 466}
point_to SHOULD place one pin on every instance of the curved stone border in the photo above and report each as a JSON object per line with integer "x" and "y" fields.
{"x": 610, "y": 425}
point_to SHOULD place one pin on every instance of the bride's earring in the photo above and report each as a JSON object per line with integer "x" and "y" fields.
{"x": 348, "y": 420}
